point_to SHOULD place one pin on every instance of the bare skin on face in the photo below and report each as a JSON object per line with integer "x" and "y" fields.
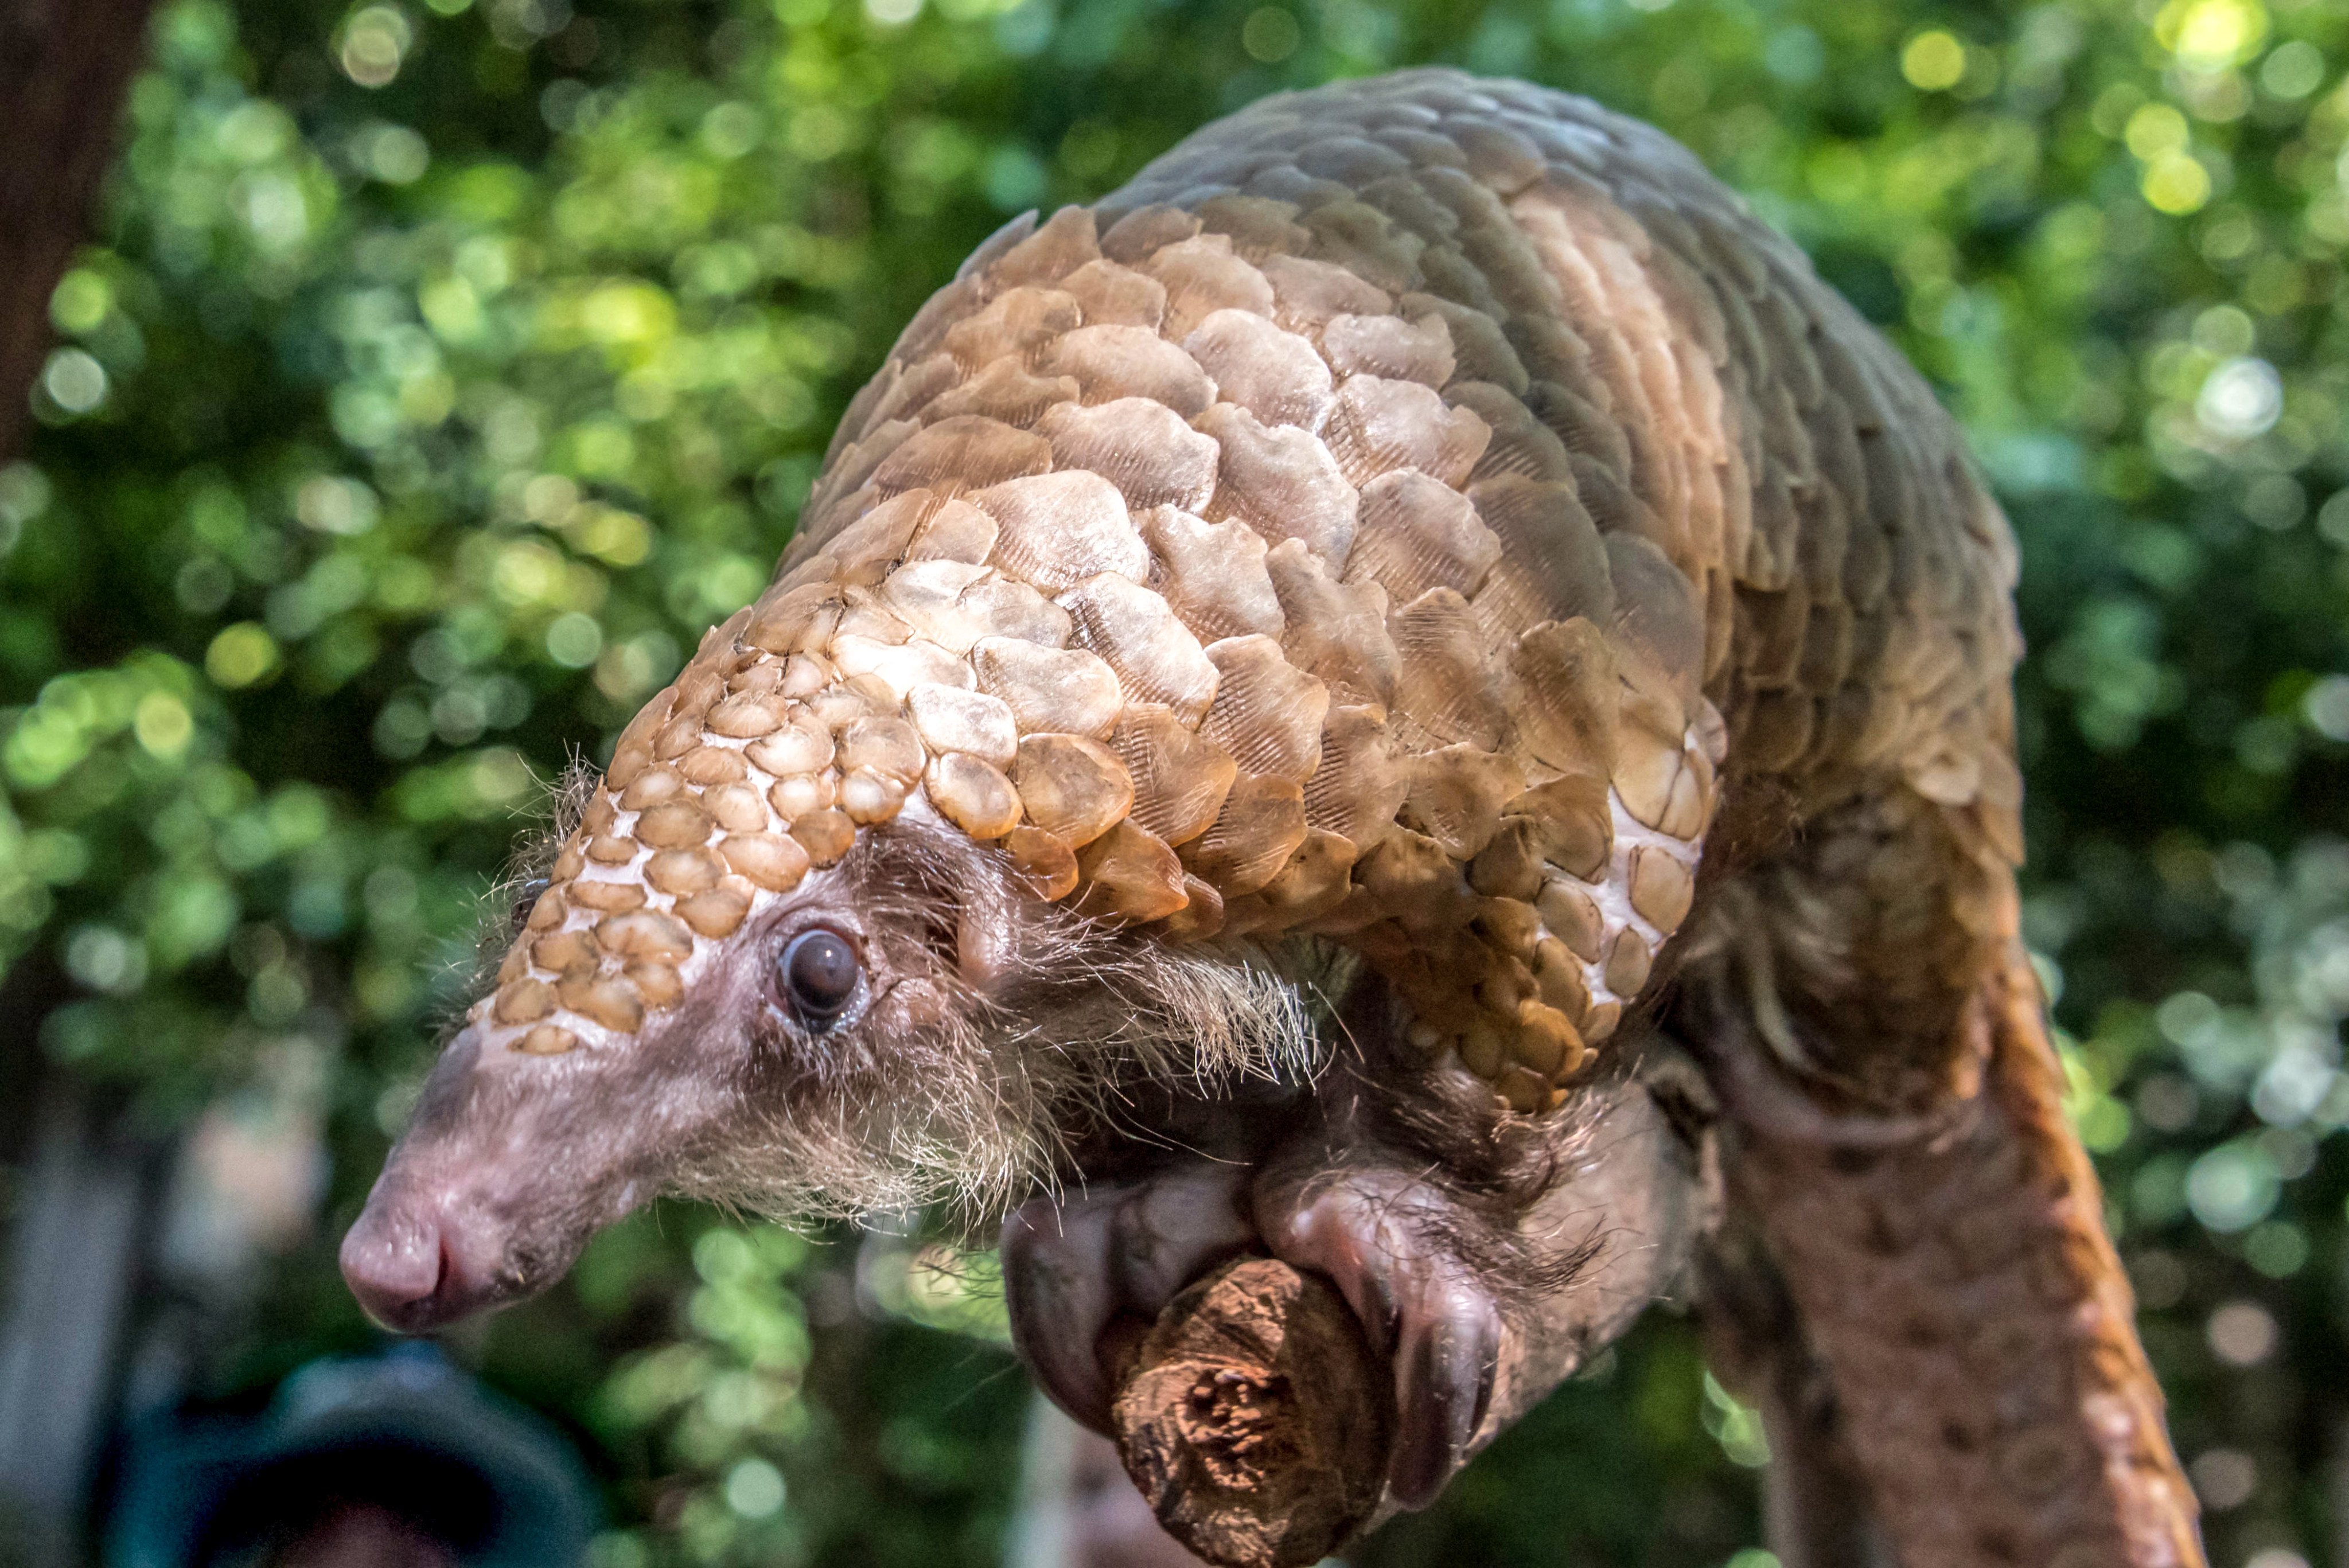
{"x": 905, "y": 1031}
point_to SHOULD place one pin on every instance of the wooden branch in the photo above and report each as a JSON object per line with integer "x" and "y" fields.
{"x": 1257, "y": 1420}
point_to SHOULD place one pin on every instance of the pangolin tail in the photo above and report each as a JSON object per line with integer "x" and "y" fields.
{"x": 1975, "y": 1321}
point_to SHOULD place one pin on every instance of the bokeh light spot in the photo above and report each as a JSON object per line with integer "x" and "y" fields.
{"x": 241, "y": 654}
{"x": 334, "y": 505}
{"x": 393, "y": 154}
{"x": 2278, "y": 1249}
{"x": 1933, "y": 61}
{"x": 2155, "y": 128}
{"x": 375, "y": 42}
{"x": 162, "y": 724}
{"x": 2240, "y": 398}
{"x": 754, "y": 1488}
{"x": 2293, "y": 70}
{"x": 2177, "y": 183}
{"x": 80, "y": 301}
{"x": 2212, "y": 35}
{"x": 74, "y": 381}
{"x": 2233, "y": 1187}
{"x": 574, "y": 640}
{"x": 1270, "y": 35}
{"x": 2224, "y": 1479}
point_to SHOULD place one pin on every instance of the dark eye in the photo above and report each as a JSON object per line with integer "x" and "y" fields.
{"x": 819, "y": 972}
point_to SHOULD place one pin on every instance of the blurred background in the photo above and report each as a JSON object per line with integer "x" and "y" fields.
{"x": 441, "y": 367}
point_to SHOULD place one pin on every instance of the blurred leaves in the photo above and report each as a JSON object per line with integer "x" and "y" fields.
{"x": 445, "y": 368}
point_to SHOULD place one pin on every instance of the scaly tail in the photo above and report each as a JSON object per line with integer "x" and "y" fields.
{"x": 1975, "y": 1319}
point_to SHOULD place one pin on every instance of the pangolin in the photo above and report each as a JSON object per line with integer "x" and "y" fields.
{"x": 1296, "y": 686}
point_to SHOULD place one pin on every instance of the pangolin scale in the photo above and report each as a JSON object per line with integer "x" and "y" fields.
{"x": 1435, "y": 515}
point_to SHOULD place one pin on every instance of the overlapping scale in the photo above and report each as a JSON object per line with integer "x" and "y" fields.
{"x": 1139, "y": 445}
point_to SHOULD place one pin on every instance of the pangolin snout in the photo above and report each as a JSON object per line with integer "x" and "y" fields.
{"x": 416, "y": 1264}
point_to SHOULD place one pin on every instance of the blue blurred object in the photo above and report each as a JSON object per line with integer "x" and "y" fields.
{"x": 393, "y": 1458}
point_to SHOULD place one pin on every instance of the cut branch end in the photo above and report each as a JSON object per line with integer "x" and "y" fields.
{"x": 1258, "y": 1420}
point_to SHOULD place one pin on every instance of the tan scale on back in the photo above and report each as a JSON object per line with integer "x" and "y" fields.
{"x": 1402, "y": 513}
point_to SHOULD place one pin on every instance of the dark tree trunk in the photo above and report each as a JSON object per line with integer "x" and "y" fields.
{"x": 65, "y": 66}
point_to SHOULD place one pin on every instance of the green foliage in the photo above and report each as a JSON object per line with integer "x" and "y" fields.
{"x": 446, "y": 367}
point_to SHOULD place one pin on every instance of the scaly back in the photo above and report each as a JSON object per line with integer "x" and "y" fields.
{"x": 1403, "y": 513}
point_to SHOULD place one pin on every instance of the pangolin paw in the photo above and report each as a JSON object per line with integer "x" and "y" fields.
{"x": 1378, "y": 1235}
{"x": 1074, "y": 1267}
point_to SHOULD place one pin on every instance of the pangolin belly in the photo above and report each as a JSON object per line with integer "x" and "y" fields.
{"x": 1416, "y": 512}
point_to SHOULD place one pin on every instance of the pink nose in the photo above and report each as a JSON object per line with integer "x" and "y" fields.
{"x": 407, "y": 1265}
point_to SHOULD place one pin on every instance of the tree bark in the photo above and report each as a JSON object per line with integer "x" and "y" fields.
{"x": 65, "y": 67}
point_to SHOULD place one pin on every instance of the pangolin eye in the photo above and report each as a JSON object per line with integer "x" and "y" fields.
{"x": 819, "y": 972}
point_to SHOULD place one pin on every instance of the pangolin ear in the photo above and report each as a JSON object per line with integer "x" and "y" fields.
{"x": 987, "y": 933}
{"x": 983, "y": 953}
